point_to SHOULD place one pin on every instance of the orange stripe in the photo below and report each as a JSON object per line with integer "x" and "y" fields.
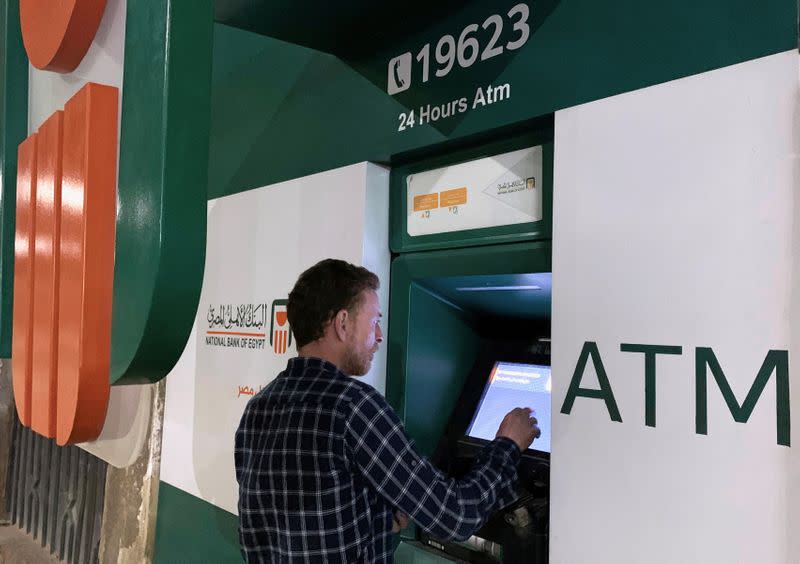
{"x": 45, "y": 265}
{"x": 23, "y": 279}
{"x": 425, "y": 202}
{"x": 262, "y": 335}
{"x": 88, "y": 222}
{"x": 454, "y": 197}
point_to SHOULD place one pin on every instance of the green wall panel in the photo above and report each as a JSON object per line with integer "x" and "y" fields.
{"x": 440, "y": 351}
{"x": 189, "y": 529}
{"x": 301, "y": 111}
{"x": 280, "y": 111}
{"x": 161, "y": 219}
{"x": 13, "y": 130}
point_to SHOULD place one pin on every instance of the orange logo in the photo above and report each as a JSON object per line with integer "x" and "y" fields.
{"x": 57, "y": 34}
{"x": 64, "y": 267}
{"x": 280, "y": 335}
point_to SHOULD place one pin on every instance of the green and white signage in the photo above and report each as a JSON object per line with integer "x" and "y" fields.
{"x": 257, "y": 246}
{"x": 675, "y": 322}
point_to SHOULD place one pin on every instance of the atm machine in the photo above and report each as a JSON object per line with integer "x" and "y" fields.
{"x": 505, "y": 375}
{"x": 469, "y": 327}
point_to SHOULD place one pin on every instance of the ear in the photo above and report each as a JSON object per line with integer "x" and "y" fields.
{"x": 339, "y": 324}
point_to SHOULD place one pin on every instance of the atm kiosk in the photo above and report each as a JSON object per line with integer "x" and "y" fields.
{"x": 469, "y": 328}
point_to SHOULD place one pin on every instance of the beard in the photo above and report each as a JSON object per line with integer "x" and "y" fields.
{"x": 356, "y": 364}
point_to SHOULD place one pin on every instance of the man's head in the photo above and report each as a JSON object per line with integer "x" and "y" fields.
{"x": 333, "y": 310}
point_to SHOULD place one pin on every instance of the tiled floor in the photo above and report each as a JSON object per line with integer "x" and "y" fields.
{"x": 17, "y": 547}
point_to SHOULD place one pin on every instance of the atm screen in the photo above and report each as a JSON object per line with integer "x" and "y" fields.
{"x": 513, "y": 385}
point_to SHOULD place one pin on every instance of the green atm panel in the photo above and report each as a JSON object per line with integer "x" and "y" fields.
{"x": 435, "y": 330}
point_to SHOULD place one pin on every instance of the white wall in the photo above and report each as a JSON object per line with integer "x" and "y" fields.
{"x": 258, "y": 244}
{"x": 675, "y": 220}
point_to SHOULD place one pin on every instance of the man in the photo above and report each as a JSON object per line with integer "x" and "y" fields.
{"x": 326, "y": 471}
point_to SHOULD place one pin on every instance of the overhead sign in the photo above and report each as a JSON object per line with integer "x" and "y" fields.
{"x": 494, "y": 191}
{"x": 499, "y": 35}
{"x": 475, "y": 44}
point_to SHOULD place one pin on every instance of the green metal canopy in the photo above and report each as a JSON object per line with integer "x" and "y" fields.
{"x": 346, "y": 28}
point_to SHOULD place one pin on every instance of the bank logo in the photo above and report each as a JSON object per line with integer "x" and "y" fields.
{"x": 237, "y": 326}
{"x": 280, "y": 334}
{"x": 399, "y": 78}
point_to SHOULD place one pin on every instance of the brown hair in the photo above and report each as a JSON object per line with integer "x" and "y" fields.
{"x": 321, "y": 292}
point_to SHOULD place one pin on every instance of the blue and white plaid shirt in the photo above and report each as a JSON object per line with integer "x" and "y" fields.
{"x": 323, "y": 462}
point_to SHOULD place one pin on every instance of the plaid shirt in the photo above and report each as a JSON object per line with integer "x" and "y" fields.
{"x": 323, "y": 462}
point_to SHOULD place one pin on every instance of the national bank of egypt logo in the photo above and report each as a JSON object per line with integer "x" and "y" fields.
{"x": 280, "y": 334}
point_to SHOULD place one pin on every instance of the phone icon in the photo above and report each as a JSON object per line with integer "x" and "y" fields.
{"x": 399, "y": 78}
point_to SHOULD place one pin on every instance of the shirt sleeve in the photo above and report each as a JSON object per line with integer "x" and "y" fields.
{"x": 446, "y": 508}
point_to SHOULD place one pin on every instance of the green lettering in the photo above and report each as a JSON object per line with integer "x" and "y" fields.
{"x": 604, "y": 393}
{"x": 650, "y": 352}
{"x": 776, "y": 361}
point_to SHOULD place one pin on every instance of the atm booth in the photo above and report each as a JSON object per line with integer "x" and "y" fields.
{"x": 469, "y": 326}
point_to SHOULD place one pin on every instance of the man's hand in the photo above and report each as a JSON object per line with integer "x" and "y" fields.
{"x": 399, "y": 521}
{"x": 520, "y": 426}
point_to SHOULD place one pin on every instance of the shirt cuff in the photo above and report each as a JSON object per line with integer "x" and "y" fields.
{"x": 509, "y": 448}
{"x": 507, "y": 451}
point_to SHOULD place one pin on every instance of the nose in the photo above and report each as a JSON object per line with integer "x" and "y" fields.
{"x": 378, "y": 334}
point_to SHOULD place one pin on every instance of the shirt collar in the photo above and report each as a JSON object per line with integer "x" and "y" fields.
{"x": 299, "y": 365}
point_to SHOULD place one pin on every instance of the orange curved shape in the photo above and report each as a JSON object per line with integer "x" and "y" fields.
{"x": 64, "y": 268}
{"x": 57, "y": 34}
{"x": 23, "y": 279}
{"x": 88, "y": 223}
{"x": 45, "y": 275}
